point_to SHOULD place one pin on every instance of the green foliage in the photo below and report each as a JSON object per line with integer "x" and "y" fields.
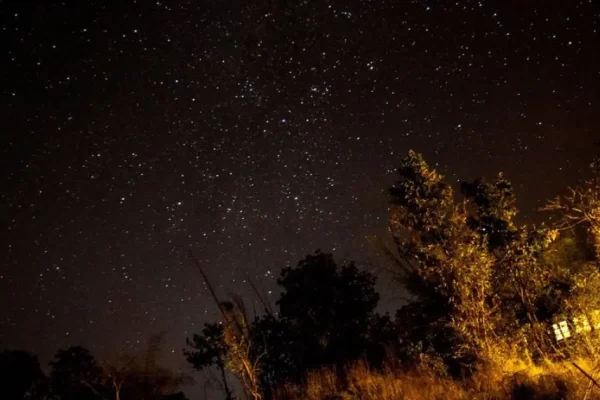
{"x": 448, "y": 266}
{"x": 581, "y": 206}
{"x": 479, "y": 281}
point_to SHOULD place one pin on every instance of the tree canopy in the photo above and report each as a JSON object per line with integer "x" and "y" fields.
{"x": 324, "y": 318}
{"x": 20, "y": 374}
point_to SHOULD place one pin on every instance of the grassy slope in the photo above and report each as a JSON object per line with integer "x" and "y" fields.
{"x": 509, "y": 380}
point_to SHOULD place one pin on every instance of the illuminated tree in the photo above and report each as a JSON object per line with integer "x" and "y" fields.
{"x": 579, "y": 216}
{"x": 479, "y": 281}
{"x": 239, "y": 341}
{"x": 444, "y": 264}
{"x": 581, "y": 206}
{"x": 236, "y": 340}
{"x": 520, "y": 276}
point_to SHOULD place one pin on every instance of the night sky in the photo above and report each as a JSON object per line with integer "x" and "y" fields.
{"x": 254, "y": 132}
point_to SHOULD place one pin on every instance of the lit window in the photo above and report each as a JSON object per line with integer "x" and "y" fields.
{"x": 557, "y": 333}
{"x": 564, "y": 329}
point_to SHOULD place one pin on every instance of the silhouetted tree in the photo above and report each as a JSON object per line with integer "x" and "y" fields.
{"x": 140, "y": 377}
{"x": 326, "y": 309}
{"x": 20, "y": 375}
{"x": 495, "y": 209}
{"x": 75, "y": 375}
{"x": 210, "y": 350}
{"x": 272, "y": 334}
{"x": 382, "y": 341}
{"x": 324, "y": 319}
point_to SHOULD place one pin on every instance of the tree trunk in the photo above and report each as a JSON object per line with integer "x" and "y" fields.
{"x": 228, "y": 393}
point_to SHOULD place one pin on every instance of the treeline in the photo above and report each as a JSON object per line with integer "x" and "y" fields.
{"x": 485, "y": 294}
{"x": 494, "y": 309}
{"x": 76, "y": 375}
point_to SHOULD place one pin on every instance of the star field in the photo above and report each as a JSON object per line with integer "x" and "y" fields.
{"x": 253, "y": 133}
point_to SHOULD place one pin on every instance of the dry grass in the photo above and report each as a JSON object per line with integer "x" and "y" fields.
{"x": 513, "y": 379}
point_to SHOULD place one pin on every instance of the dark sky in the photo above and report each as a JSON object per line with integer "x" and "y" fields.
{"x": 254, "y": 132}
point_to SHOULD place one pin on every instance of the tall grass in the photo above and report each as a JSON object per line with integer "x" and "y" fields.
{"x": 512, "y": 379}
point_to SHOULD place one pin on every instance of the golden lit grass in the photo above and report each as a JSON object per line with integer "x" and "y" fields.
{"x": 512, "y": 379}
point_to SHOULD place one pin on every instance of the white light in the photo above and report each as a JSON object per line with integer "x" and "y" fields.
{"x": 564, "y": 328}
{"x": 557, "y": 332}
